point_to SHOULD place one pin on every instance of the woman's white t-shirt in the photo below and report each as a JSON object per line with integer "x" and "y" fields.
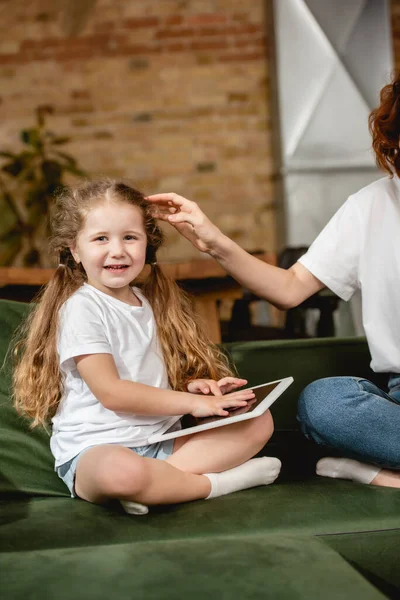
{"x": 360, "y": 248}
{"x": 92, "y": 322}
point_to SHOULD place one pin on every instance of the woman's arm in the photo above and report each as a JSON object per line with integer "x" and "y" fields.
{"x": 283, "y": 288}
{"x": 101, "y": 376}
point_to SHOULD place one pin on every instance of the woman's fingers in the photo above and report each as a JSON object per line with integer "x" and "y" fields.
{"x": 170, "y": 199}
{"x": 187, "y": 218}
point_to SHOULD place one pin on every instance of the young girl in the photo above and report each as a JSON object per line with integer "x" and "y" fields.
{"x": 113, "y": 364}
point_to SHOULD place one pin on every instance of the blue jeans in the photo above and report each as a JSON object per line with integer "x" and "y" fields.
{"x": 354, "y": 416}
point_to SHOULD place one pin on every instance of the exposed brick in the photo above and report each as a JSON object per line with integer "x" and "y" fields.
{"x": 80, "y": 94}
{"x": 139, "y": 63}
{"x": 173, "y": 20}
{"x": 106, "y": 26}
{"x": 175, "y": 47}
{"x": 204, "y": 19}
{"x": 103, "y": 135}
{"x": 234, "y": 57}
{"x": 143, "y": 117}
{"x": 137, "y": 22}
{"x": 206, "y": 167}
{"x": 209, "y": 45}
{"x": 79, "y": 122}
{"x": 174, "y": 33}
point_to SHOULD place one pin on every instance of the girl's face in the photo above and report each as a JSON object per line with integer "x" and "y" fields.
{"x": 112, "y": 247}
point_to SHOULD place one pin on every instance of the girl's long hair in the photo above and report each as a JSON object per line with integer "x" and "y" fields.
{"x": 187, "y": 351}
{"x": 384, "y": 126}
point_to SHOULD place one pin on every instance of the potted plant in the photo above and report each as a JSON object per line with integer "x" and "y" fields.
{"x": 28, "y": 180}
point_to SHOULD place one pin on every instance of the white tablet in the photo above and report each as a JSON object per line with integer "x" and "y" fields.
{"x": 265, "y": 395}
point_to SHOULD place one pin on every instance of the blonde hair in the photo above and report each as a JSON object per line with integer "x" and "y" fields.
{"x": 187, "y": 351}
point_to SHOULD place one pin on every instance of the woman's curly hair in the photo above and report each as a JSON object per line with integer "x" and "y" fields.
{"x": 384, "y": 126}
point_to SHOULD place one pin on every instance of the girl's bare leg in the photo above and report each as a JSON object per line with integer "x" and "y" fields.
{"x": 110, "y": 471}
{"x": 219, "y": 449}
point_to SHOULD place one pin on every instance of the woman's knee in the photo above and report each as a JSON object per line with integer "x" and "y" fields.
{"x": 323, "y": 401}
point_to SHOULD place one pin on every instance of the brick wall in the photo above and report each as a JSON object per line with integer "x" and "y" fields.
{"x": 172, "y": 93}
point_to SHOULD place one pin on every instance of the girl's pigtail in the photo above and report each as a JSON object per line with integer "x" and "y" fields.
{"x": 37, "y": 381}
{"x": 187, "y": 351}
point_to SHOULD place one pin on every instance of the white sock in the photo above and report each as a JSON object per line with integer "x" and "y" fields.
{"x": 134, "y": 508}
{"x": 347, "y": 468}
{"x": 257, "y": 471}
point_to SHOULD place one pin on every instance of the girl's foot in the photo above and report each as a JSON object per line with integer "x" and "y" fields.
{"x": 134, "y": 508}
{"x": 347, "y": 468}
{"x": 254, "y": 472}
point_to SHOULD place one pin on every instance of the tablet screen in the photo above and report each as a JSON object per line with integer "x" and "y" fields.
{"x": 260, "y": 392}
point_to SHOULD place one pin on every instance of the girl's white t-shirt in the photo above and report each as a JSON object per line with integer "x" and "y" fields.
{"x": 92, "y": 322}
{"x": 360, "y": 248}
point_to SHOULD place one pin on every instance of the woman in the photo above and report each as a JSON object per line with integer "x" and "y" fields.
{"x": 358, "y": 249}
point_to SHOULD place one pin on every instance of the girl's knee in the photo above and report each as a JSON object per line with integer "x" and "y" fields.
{"x": 121, "y": 473}
{"x": 261, "y": 428}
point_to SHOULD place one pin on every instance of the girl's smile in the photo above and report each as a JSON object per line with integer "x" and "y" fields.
{"x": 112, "y": 247}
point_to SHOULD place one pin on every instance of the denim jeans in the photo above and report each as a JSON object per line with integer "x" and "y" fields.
{"x": 354, "y": 416}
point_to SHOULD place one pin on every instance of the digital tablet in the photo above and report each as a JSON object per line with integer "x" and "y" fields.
{"x": 265, "y": 395}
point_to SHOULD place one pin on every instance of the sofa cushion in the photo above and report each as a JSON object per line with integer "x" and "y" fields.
{"x": 312, "y": 507}
{"x": 26, "y": 464}
{"x": 228, "y": 567}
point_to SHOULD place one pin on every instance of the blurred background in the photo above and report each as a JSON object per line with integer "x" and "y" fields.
{"x": 258, "y": 111}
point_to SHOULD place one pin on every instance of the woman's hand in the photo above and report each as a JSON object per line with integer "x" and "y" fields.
{"x": 206, "y": 406}
{"x": 217, "y": 388}
{"x": 187, "y": 218}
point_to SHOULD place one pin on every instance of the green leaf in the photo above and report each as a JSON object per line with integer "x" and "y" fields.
{"x": 13, "y": 168}
{"x": 31, "y": 137}
{"x": 36, "y": 197}
{"x": 8, "y": 155}
{"x": 52, "y": 171}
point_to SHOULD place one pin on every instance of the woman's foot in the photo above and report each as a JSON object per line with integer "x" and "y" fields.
{"x": 347, "y": 468}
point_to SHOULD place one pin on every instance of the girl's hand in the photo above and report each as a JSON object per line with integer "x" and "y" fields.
{"x": 228, "y": 384}
{"x": 206, "y": 406}
{"x": 187, "y": 218}
{"x": 204, "y": 386}
{"x": 217, "y": 388}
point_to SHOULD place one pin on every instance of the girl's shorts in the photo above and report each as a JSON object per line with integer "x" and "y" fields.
{"x": 161, "y": 450}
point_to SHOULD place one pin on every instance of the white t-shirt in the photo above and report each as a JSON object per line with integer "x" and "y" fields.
{"x": 92, "y": 322}
{"x": 359, "y": 248}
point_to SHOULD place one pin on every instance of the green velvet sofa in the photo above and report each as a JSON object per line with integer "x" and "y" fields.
{"x": 302, "y": 537}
